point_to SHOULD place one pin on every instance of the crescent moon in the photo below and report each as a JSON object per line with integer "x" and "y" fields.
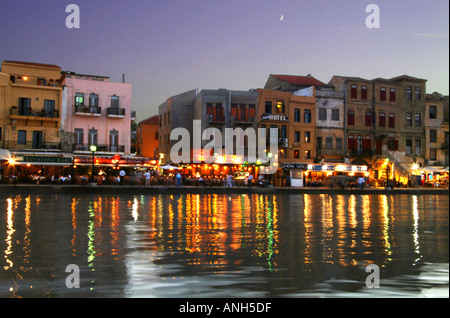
{"x": 282, "y": 17}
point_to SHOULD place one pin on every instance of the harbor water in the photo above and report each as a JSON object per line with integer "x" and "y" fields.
{"x": 224, "y": 245}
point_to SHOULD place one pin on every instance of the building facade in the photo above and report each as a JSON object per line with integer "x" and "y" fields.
{"x": 30, "y": 106}
{"x": 97, "y": 112}
{"x": 147, "y": 137}
{"x": 384, "y": 120}
{"x": 436, "y": 131}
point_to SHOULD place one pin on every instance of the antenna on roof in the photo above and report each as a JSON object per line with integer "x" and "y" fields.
{"x": 123, "y": 78}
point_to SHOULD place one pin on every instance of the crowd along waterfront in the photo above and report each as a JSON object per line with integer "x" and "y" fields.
{"x": 223, "y": 245}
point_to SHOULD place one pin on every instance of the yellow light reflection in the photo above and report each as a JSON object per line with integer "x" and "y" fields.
{"x": 416, "y": 228}
{"x": 9, "y": 231}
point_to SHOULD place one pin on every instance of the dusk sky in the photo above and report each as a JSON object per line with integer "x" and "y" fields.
{"x": 167, "y": 47}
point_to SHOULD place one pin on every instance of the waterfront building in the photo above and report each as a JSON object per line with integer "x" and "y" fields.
{"x": 436, "y": 131}
{"x": 147, "y": 136}
{"x": 384, "y": 123}
{"x": 294, "y": 117}
{"x": 97, "y": 112}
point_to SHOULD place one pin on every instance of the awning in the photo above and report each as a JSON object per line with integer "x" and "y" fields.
{"x": 435, "y": 169}
{"x": 5, "y": 154}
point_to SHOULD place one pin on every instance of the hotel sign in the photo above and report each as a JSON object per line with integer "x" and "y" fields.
{"x": 274, "y": 117}
{"x": 300, "y": 166}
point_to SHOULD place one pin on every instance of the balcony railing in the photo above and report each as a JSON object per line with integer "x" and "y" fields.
{"x": 88, "y": 110}
{"x": 100, "y": 148}
{"x": 30, "y": 145}
{"x": 29, "y": 112}
{"x": 112, "y": 111}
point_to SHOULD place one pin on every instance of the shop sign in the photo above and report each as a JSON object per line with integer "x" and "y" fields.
{"x": 39, "y": 159}
{"x": 274, "y": 117}
{"x": 300, "y": 166}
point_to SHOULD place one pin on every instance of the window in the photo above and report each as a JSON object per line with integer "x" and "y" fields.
{"x": 242, "y": 112}
{"x": 296, "y": 136}
{"x": 296, "y": 154}
{"x": 114, "y": 140}
{"x": 392, "y": 95}
{"x": 218, "y": 112}
{"x": 408, "y": 119}
{"x": 168, "y": 118}
{"x": 78, "y": 136}
{"x": 49, "y": 108}
{"x": 93, "y": 100}
{"x": 408, "y": 92}
{"x": 392, "y": 144}
{"x": 0, "y": 133}
{"x": 354, "y": 91}
{"x": 283, "y": 131}
{"x": 22, "y": 137}
{"x": 251, "y": 112}
{"x": 391, "y": 120}
{"x": 92, "y": 140}
{"x": 24, "y": 106}
{"x": 335, "y": 114}
{"x": 280, "y": 107}
{"x": 433, "y": 112}
{"x": 115, "y": 102}
{"x": 433, "y": 154}
{"x": 307, "y": 154}
{"x": 307, "y": 137}
{"x": 418, "y": 93}
{"x": 322, "y": 114}
{"x": 329, "y": 143}
{"x": 297, "y": 115}
{"x": 408, "y": 145}
{"x": 364, "y": 92}
{"x": 417, "y": 119}
{"x": 418, "y": 146}
{"x": 339, "y": 143}
{"x": 351, "y": 142}
{"x": 382, "y": 120}
{"x": 351, "y": 117}
{"x": 307, "y": 116}
{"x": 79, "y": 99}
{"x": 209, "y": 109}
{"x": 367, "y": 144}
{"x": 268, "y": 109}
{"x": 368, "y": 118}
{"x": 383, "y": 94}
{"x": 433, "y": 135}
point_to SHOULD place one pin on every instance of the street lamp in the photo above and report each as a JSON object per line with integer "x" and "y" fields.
{"x": 93, "y": 149}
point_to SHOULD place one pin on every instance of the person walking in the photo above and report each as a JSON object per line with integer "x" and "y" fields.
{"x": 361, "y": 183}
{"x": 122, "y": 175}
{"x": 178, "y": 179}
{"x": 147, "y": 178}
{"x": 250, "y": 180}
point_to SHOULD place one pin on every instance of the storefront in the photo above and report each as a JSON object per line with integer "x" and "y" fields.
{"x": 436, "y": 177}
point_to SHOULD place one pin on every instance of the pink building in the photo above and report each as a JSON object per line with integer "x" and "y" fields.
{"x": 95, "y": 111}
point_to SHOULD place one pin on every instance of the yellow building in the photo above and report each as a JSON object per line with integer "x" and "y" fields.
{"x": 30, "y": 104}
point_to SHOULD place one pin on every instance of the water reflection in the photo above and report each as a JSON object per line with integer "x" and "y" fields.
{"x": 221, "y": 245}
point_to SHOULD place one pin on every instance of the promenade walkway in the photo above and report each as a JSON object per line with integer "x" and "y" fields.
{"x": 106, "y": 189}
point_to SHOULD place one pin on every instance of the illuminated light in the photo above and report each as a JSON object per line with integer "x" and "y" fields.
{"x": 28, "y": 165}
{"x": 310, "y": 167}
{"x": 270, "y": 154}
{"x": 351, "y": 174}
{"x": 415, "y": 166}
{"x": 93, "y": 148}
{"x": 325, "y": 167}
{"x": 76, "y": 160}
{"x": 74, "y": 167}
{"x": 366, "y": 174}
{"x": 25, "y": 78}
{"x": 354, "y": 168}
{"x": 12, "y": 161}
{"x": 339, "y": 168}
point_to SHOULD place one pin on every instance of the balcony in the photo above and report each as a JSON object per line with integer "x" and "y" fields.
{"x": 15, "y": 145}
{"x": 85, "y": 148}
{"x": 82, "y": 110}
{"x": 242, "y": 121}
{"x": 211, "y": 119}
{"x": 113, "y": 112}
{"x": 32, "y": 114}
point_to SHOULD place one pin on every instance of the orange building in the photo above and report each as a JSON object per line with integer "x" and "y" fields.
{"x": 147, "y": 137}
{"x": 295, "y": 119}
